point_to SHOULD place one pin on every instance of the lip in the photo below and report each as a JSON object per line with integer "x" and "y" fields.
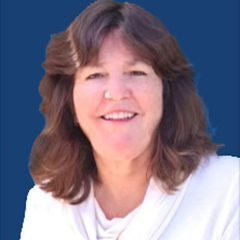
{"x": 119, "y": 111}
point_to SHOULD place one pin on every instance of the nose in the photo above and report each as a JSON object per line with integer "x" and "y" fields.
{"x": 117, "y": 88}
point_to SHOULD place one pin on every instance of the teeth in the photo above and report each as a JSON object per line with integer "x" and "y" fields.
{"x": 118, "y": 116}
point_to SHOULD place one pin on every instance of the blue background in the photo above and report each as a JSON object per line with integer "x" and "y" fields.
{"x": 207, "y": 32}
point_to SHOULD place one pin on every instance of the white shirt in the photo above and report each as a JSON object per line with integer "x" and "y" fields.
{"x": 206, "y": 207}
{"x": 111, "y": 229}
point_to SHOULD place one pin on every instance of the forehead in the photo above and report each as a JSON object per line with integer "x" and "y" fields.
{"x": 115, "y": 46}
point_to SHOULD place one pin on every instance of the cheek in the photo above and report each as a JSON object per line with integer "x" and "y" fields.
{"x": 155, "y": 109}
{"x": 85, "y": 99}
{"x": 152, "y": 96}
{"x": 153, "y": 100}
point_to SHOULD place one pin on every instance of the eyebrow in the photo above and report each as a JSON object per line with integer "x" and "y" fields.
{"x": 128, "y": 63}
{"x": 135, "y": 62}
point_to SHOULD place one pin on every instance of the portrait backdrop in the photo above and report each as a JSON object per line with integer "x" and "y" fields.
{"x": 207, "y": 32}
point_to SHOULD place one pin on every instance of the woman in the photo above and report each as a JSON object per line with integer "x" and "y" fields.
{"x": 125, "y": 152}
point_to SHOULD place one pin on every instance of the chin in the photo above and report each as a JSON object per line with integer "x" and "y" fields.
{"x": 124, "y": 150}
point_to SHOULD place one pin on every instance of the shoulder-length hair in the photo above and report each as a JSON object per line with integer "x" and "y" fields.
{"x": 62, "y": 161}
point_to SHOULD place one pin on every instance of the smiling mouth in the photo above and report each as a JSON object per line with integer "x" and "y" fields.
{"x": 119, "y": 116}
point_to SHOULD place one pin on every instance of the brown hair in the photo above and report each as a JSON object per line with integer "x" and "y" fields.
{"x": 61, "y": 161}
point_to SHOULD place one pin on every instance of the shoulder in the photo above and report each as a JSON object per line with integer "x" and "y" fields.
{"x": 40, "y": 200}
{"x": 228, "y": 161}
{"x": 36, "y": 193}
{"x": 44, "y": 216}
{"x": 217, "y": 166}
{"x": 217, "y": 176}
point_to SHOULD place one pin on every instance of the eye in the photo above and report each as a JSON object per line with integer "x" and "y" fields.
{"x": 137, "y": 73}
{"x": 95, "y": 76}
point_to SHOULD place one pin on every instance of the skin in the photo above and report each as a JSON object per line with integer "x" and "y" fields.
{"x": 121, "y": 147}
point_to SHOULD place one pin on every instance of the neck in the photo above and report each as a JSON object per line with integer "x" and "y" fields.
{"x": 122, "y": 185}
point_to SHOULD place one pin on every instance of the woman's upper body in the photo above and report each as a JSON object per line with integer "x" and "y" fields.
{"x": 206, "y": 207}
{"x": 125, "y": 137}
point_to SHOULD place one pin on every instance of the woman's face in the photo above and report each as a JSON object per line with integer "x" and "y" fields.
{"x": 118, "y": 102}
